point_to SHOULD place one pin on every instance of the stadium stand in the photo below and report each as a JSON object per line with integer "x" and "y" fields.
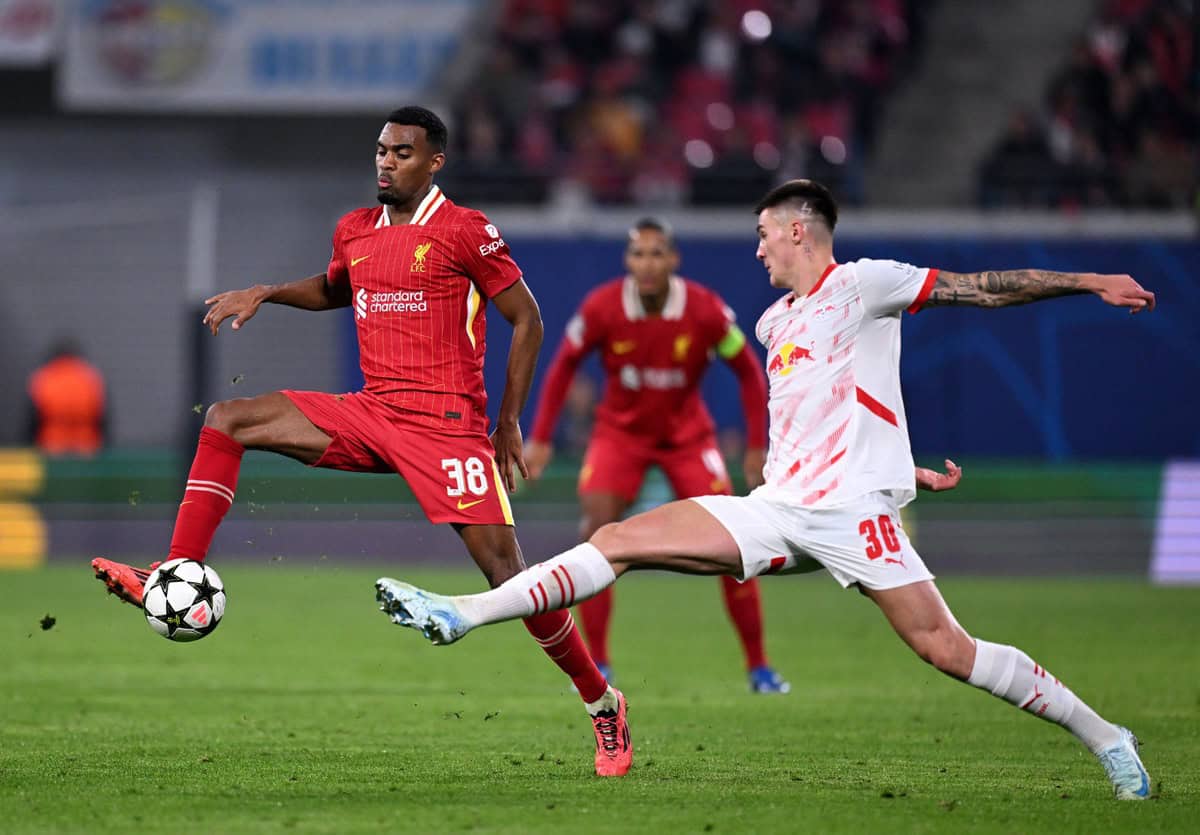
{"x": 680, "y": 102}
{"x": 1119, "y": 123}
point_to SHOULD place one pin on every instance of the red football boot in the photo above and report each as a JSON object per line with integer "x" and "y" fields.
{"x": 614, "y": 747}
{"x": 125, "y": 581}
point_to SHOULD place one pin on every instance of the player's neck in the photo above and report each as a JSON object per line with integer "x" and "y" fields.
{"x": 654, "y": 303}
{"x": 403, "y": 214}
{"x": 811, "y": 271}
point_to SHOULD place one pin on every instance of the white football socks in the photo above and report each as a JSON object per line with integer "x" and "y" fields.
{"x": 557, "y": 583}
{"x": 1010, "y": 674}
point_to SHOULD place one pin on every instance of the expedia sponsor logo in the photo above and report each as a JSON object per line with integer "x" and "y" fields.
{"x": 658, "y": 379}
{"x": 401, "y": 301}
{"x": 788, "y": 358}
{"x": 492, "y": 246}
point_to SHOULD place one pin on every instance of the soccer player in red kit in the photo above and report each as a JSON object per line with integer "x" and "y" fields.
{"x": 657, "y": 334}
{"x": 418, "y": 272}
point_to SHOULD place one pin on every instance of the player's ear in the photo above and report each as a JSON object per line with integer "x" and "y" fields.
{"x": 799, "y": 232}
{"x": 436, "y": 162}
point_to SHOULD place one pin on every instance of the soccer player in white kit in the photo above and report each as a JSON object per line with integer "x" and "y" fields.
{"x": 838, "y": 471}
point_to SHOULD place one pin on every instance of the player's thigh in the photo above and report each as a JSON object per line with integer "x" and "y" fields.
{"x": 271, "y": 422}
{"x": 614, "y": 465}
{"x": 696, "y": 470}
{"x": 452, "y": 476}
{"x": 678, "y": 536}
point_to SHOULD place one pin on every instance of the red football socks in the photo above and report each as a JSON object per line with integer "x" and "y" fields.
{"x": 556, "y": 634}
{"x": 208, "y": 495}
{"x": 744, "y": 604}
{"x": 595, "y": 613}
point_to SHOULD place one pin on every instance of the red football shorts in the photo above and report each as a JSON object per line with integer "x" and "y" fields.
{"x": 453, "y": 475}
{"x": 617, "y": 465}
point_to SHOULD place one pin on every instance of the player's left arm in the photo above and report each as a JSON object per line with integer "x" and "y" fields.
{"x": 1008, "y": 287}
{"x": 752, "y": 386}
{"x": 518, "y": 306}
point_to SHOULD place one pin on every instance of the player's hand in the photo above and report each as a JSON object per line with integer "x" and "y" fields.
{"x": 241, "y": 304}
{"x": 537, "y": 456}
{"x": 752, "y": 467}
{"x": 506, "y": 440}
{"x": 1123, "y": 291}
{"x": 935, "y": 482}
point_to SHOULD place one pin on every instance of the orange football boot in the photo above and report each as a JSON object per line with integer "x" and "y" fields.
{"x": 125, "y": 581}
{"x": 614, "y": 747}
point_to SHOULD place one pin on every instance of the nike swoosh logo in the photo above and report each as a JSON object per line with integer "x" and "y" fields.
{"x": 354, "y": 262}
{"x": 462, "y": 506}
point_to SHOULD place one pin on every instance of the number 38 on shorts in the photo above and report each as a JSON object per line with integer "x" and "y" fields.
{"x": 466, "y": 476}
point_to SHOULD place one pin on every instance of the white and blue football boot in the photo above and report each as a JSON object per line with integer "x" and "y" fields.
{"x": 433, "y": 615}
{"x": 1124, "y": 768}
{"x": 765, "y": 680}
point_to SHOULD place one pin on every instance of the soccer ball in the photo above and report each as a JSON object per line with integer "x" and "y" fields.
{"x": 184, "y": 600}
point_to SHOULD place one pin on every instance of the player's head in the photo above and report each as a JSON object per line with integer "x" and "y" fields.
{"x": 795, "y": 221}
{"x": 650, "y": 255}
{"x": 411, "y": 148}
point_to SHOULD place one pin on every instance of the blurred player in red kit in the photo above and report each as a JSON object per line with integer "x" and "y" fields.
{"x": 419, "y": 273}
{"x": 657, "y": 333}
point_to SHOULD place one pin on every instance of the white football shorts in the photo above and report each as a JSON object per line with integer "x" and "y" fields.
{"x": 861, "y": 542}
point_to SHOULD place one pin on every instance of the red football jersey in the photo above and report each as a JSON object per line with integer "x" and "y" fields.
{"x": 653, "y": 364}
{"x": 419, "y": 293}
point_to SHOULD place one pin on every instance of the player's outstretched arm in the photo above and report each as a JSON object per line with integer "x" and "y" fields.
{"x": 315, "y": 293}
{"x": 1002, "y": 288}
{"x": 517, "y": 305}
{"x": 935, "y": 482}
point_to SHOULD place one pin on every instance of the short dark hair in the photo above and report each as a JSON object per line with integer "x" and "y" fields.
{"x": 654, "y": 225}
{"x": 806, "y": 194}
{"x": 421, "y": 117}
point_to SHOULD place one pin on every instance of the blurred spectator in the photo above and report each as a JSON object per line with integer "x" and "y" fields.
{"x": 615, "y": 87}
{"x": 68, "y": 411}
{"x": 1122, "y": 125}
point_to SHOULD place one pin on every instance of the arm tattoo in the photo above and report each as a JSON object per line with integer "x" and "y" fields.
{"x": 999, "y": 289}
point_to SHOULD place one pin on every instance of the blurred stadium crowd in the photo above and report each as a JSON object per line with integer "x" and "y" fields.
{"x": 683, "y": 101}
{"x": 1119, "y": 123}
{"x": 690, "y": 102}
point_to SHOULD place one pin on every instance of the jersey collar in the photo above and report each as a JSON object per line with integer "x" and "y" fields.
{"x": 430, "y": 204}
{"x": 631, "y": 299}
{"x": 813, "y": 290}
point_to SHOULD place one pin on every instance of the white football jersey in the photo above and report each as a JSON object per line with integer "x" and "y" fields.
{"x": 833, "y": 364}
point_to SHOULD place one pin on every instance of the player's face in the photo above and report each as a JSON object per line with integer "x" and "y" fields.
{"x": 777, "y": 247}
{"x": 650, "y": 259}
{"x": 405, "y": 163}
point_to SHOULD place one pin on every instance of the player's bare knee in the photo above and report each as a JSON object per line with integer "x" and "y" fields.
{"x": 222, "y": 416}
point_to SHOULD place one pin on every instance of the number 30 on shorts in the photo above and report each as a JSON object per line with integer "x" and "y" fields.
{"x": 469, "y": 475}
{"x": 873, "y": 530}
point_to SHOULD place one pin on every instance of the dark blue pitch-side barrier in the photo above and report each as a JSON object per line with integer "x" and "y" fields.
{"x": 1068, "y": 378}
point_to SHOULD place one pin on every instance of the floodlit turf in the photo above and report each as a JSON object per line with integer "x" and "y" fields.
{"x": 307, "y": 711}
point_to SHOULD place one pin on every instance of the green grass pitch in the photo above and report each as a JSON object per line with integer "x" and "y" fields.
{"x": 307, "y": 711}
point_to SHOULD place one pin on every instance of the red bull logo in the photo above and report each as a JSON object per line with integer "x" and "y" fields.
{"x": 788, "y": 358}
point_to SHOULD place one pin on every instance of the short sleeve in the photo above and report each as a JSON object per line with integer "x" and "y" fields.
{"x": 337, "y": 272}
{"x": 585, "y": 330}
{"x": 889, "y": 287}
{"x": 485, "y": 255}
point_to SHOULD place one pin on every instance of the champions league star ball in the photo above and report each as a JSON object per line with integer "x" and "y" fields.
{"x": 184, "y": 600}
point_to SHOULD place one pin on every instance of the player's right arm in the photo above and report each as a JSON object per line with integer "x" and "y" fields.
{"x": 314, "y": 293}
{"x": 578, "y": 341}
{"x": 1001, "y": 288}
